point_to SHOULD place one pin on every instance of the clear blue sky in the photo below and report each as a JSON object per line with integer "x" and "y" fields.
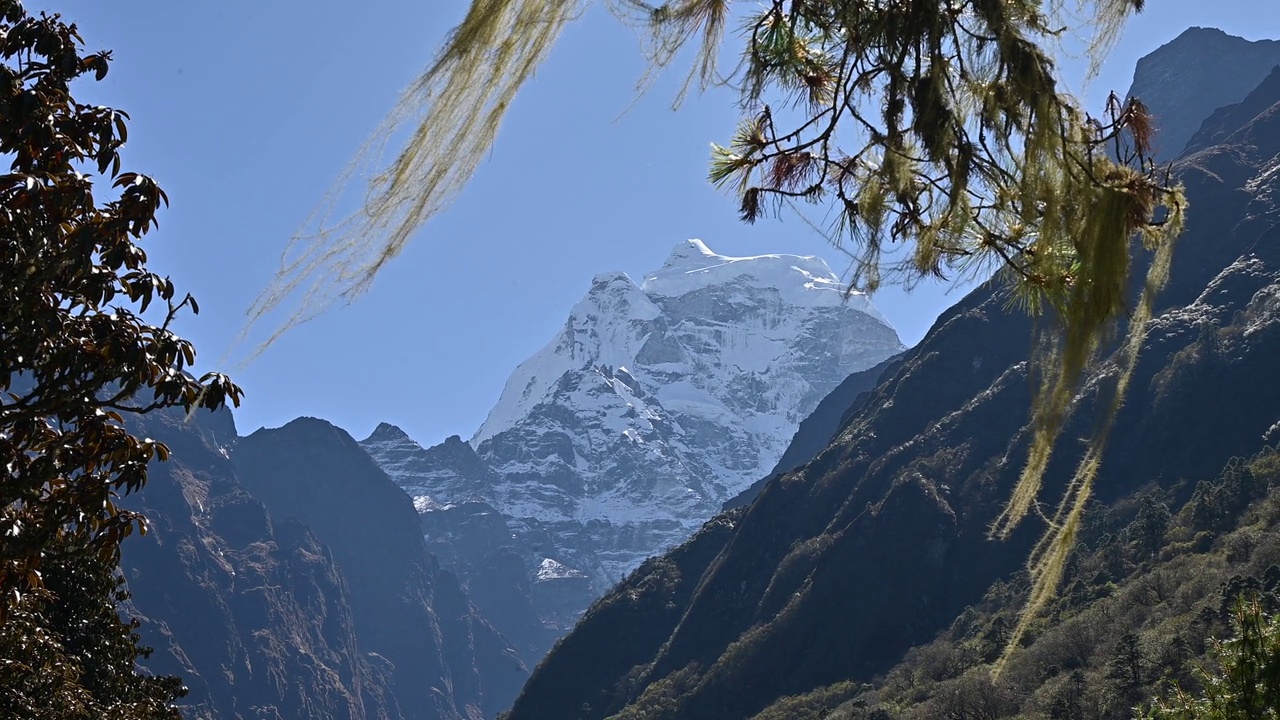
{"x": 246, "y": 110}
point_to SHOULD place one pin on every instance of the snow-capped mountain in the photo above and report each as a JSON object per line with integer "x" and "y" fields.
{"x": 656, "y": 403}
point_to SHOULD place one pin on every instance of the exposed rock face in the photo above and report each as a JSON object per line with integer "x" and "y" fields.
{"x": 1201, "y": 68}
{"x": 838, "y": 568}
{"x": 654, "y": 405}
{"x": 294, "y": 583}
{"x": 404, "y": 609}
{"x": 252, "y": 613}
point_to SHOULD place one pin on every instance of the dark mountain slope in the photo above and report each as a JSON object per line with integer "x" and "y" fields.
{"x": 1236, "y": 117}
{"x": 253, "y": 614}
{"x": 1203, "y": 68}
{"x": 404, "y": 608}
{"x": 1147, "y": 588}
{"x": 837, "y": 569}
{"x": 633, "y": 622}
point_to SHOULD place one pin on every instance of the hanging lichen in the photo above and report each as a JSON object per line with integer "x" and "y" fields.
{"x": 933, "y": 132}
{"x": 451, "y": 114}
{"x": 1048, "y": 560}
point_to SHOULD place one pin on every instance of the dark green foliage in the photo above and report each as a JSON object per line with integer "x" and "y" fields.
{"x": 976, "y": 695}
{"x": 812, "y": 706}
{"x": 1244, "y": 680}
{"x": 1064, "y": 700}
{"x": 1146, "y": 532}
{"x": 1126, "y": 667}
{"x": 76, "y": 354}
{"x": 66, "y": 653}
{"x": 1216, "y": 503}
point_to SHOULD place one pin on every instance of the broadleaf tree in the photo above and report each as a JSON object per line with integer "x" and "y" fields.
{"x": 78, "y": 350}
{"x": 65, "y": 652}
{"x": 936, "y": 133}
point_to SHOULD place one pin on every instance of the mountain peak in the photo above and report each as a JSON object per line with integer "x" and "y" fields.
{"x": 801, "y": 280}
{"x": 688, "y": 251}
{"x": 1183, "y": 81}
{"x": 606, "y": 279}
{"x": 1203, "y": 32}
{"x": 618, "y": 323}
{"x": 386, "y": 432}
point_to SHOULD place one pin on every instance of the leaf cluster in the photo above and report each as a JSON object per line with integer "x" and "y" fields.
{"x": 77, "y": 354}
{"x": 66, "y": 654}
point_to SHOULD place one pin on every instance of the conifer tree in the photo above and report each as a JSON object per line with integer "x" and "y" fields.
{"x": 1126, "y": 665}
{"x": 1244, "y": 681}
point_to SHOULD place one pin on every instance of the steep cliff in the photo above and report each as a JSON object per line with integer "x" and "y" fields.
{"x": 403, "y": 607}
{"x": 252, "y": 612}
{"x": 285, "y": 576}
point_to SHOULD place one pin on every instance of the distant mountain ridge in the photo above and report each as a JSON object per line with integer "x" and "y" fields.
{"x": 655, "y": 404}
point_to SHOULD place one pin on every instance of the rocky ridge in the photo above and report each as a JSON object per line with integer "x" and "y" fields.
{"x": 1201, "y": 68}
